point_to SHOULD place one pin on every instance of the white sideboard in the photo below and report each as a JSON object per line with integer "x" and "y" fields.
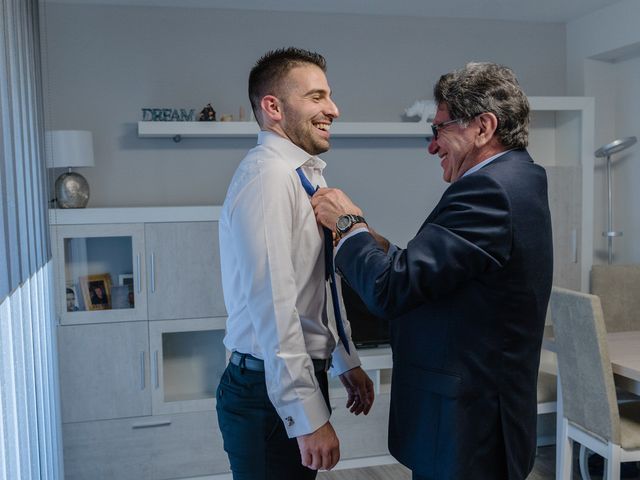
{"x": 138, "y": 374}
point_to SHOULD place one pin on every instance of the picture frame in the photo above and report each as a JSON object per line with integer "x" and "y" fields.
{"x": 96, "y": 291}
{"x": 73, "y": 301}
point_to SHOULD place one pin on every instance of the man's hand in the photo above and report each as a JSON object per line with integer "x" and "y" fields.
{"x": 329, "y": 203}
{"x": 320, "y": 450}
{"x": 359, "y": 390}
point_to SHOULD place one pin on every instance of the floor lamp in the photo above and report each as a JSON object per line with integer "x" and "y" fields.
{"x": 605, "y": 152}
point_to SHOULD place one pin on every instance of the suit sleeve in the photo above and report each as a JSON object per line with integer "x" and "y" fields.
{"x": 468, "y": 234}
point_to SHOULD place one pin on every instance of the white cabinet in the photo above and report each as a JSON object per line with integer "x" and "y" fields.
{"x": 184, "y": 270}
{"x": 103, "y": 371}
{"x": 138, "y": 381}
{"x": 148, "y": 344}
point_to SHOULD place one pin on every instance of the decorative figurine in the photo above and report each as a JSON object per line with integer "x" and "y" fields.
{"x": 425, "y": 109}
{"x": 208, "y": 114}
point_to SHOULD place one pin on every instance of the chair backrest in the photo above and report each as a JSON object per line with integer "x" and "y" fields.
{"x": 586, "y": 377}
{"x": 618, "y": 287}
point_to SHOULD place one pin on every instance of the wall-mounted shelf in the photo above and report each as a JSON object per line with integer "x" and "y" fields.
{"x": 180, "y": 130}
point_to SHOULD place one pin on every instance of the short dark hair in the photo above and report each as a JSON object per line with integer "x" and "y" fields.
{"x": 487, "y": 87}
{"x": 266, "y": 75}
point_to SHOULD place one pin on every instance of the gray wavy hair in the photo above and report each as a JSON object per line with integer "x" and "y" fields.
{"x": 487, "y": 87}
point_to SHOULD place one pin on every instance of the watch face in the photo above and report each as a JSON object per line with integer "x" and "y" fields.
{"x": 343, "y": 222}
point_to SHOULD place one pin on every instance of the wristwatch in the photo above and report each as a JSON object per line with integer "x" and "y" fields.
{"x": 345, "y": 222}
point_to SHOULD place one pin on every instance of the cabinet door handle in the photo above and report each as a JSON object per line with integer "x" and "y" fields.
{"x": 153, "y": 272}
{"x": 159, "y": 423}
{"x": 155, "y": 369}
{"x": 138, "y": 273}
{"x": 142, "y": 371}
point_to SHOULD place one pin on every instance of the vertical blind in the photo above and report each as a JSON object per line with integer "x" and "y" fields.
{"x": 24, "y": 247}
{"x": 30, "y": 446}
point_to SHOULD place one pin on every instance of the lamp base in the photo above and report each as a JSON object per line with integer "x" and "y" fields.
{"x": 72, "y": 190}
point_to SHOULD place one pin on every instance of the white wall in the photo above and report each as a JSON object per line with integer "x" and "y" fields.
{"x": 105, "y": 63}
{"x": 603, "y": 61}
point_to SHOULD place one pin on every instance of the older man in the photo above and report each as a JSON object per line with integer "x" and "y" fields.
{"x": 468, "y": 295}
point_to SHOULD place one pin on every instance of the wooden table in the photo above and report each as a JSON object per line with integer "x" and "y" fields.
{"x": 624, "y": 353}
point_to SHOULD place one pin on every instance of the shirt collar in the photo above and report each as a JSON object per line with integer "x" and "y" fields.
{"x": 291, "y": 153}
{"x": 483, "y": 163}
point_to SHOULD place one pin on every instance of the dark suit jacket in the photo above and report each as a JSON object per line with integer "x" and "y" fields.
{"x": 468, "y": 298}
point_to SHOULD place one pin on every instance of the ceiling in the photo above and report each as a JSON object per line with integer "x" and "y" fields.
{"x": 523, "y": 10}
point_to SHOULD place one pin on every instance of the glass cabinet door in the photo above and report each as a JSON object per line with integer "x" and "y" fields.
{"x": 100, "y": 272}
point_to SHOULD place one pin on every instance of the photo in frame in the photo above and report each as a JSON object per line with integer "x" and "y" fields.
{"x": 96, "y": 291}
{"x": 73, "y": 301}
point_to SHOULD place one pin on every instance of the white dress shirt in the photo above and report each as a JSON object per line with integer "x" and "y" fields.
{"x": 273, "y": 277}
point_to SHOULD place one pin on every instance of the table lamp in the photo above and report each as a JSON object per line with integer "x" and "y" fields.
{"x": 68, "y": 149}
{"x": 605, "y": 152}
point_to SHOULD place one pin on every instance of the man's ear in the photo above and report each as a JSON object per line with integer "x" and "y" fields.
{"x": 271, "y": 108}
{"x": 488, "y": 124}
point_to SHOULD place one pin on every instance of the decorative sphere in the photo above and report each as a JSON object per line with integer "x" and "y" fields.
{"x": 72, "y": 190}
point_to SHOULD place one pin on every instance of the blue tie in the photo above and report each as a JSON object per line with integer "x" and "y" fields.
{"x": 328, "y": 264}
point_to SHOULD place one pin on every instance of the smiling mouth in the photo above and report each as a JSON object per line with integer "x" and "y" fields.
{"x": 325, "y": 127}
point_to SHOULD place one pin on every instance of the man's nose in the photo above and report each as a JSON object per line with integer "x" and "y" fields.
{"x": 332, "y": 109}
{"x": 433, "y": 146}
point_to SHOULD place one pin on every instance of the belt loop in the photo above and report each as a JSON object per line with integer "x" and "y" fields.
{"x": 243, "y": 363}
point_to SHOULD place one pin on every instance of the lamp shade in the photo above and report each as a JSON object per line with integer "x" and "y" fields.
{"x": 69, "y": 148}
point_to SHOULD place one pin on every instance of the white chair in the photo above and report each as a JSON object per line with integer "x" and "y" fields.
{"x": 591, "y": 415}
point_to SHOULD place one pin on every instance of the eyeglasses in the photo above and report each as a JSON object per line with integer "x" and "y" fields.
{"x": 435, "y": 128}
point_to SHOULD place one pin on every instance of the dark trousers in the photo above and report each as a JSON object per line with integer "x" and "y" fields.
{"x": 254, "y": 436}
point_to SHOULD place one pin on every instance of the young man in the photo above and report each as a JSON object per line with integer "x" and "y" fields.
{"x": 272, "y": 401}
{"x": 468, "y": 296}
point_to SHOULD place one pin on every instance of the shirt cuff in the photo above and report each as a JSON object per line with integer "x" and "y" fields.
{"x": 341, "y": 361}
{"x": 353, "y": 232}
{"x": 304, "y": 416}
